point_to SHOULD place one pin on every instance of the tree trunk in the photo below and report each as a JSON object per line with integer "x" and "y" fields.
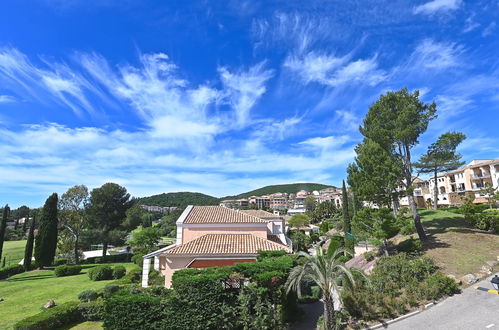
{"x": 385, "y": 247}
{"x": 76, "y": 250}
{"x": 435, "y": 191}
{"x": 417, "y": 218}
{"x": 104, "y": 248}
{"x": 329, "y": 321}
{"x": 395, "y": 204}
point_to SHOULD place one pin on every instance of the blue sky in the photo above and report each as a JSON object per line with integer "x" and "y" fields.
{"x": 222, "y": 97}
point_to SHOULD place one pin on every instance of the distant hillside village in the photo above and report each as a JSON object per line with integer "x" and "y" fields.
{"x": 453, "y": 187}
{"x": 293, "y": 203}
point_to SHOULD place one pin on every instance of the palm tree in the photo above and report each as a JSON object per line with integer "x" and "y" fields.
{"x": 327, "y": 272}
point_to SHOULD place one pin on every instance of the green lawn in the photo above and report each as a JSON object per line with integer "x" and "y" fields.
{"x": 25, "y": 294}
{"x": 13, "y": 251}
{"x": 457, "y": 248}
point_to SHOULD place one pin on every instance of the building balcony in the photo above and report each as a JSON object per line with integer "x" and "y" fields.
{"x": 480, "y": 176}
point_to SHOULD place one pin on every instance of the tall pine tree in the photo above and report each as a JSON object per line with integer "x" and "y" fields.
{"x": 3, "y": 226}
{"x": 46, "y": 240}
{"x": 347, "y": 228}
{"x": 28, "y": 250}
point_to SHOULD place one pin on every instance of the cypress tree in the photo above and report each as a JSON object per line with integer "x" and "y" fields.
{"x": 349, "y": 243}
{"x": 3, "y": 226}
{"x": 28, "y": 250}
{"x": 46, "y": 240}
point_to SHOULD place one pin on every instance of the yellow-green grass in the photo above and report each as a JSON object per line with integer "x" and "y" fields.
{"x": 89, "y": 325}
{"x": 25, "y": 294}
{"x": 13, "y": 251}
{"x": 456, "y": 247}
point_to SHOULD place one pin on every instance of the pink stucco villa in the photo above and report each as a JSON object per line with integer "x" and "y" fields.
{"x": 209, "y": 236}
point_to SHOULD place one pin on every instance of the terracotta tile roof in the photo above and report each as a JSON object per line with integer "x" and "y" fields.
{"x": 227, "y": 244}
{"x": 274, "y": 238}
{"x": 260, "y": 214}
{"x": 219, "y": 214}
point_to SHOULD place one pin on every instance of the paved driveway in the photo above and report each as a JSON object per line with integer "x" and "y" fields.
{"x": 470, "y": 310}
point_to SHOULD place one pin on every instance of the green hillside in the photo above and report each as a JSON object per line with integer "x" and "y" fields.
{"x": 179, "y": 199}
{"x": 283, "y": 188}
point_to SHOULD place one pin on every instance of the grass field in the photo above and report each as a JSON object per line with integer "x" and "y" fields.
{"x": 13, "y": 251}
{"x": 25, "y": 294}
{"x": 457, "y": 248}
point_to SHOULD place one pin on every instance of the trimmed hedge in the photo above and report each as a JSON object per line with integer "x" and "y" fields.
{"x": 52, "y": 318}
{"x": 60, "y": 261}
{"x": 100, "y": 273}
{"x": 87, "y": 296}
{"x": 119, "y": 272}
{"x": 92, "y": 311}
{"x": 10, "y": 271}
{"x": 113, "y": 258}
{"x": 67, "y": 270}
{"x": 109, "y": 290}
{"x": 133, "y": 311}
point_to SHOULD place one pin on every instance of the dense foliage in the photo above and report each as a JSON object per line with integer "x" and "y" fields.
{"x": 46, "y": 239}
{"x": 397, "y": 283}
{"x": 67, "y": 270}
{"x": 100, "y": 273}
{"x": 10, "y": 271}
{"x": 51, "y": 318}
{"x": 178, "y": 199}
{"x": 3, "y": 227}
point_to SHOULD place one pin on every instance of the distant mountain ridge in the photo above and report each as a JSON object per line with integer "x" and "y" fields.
{"x": 290, "y": 188}
{"x": 179, "y": 199}
{"x": 182, "y": 199}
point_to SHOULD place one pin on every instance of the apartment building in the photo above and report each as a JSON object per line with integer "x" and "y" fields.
{"x": 453, "y": 186}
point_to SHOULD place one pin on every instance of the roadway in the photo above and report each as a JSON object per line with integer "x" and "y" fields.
{"x": 470, "y": 310}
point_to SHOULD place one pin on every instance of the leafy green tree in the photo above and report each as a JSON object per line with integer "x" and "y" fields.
{"x": 73, "y": 217}
{"x": 323, "y": 212}
{"x": 46, "y": 240}
{"x": 3, "y": 227}
{"x": 374, "y": 175}
{"x": 133, "y": 217}
{"x": 145, "y": 240}
{"x": 107, "y": 209}
{"x": 349, "y": 242}
{"x": 441, "y": 157}
{"x": 395, "y": 122}
{"x": 23, "y": 212}
{"x": 299, "y": 220}
{"x": 489, "y": 191}
{"x": 300, "y": 240}
{"x": 327, "y": 273}
{"x": 310, "y": 204}
{"x": 28, "y": 250}
{"x": 379, "y": 224}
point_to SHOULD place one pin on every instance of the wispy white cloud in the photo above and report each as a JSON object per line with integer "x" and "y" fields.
{"x": 7, "y": 99}
{"x": 55, "y": 82}
{"x": 470, "y": 24}
{"x": 437, "y": 6}
{"x": 489, "y": 29}
{"x": 335, "y": 71}
{"x": 244, "y": 88}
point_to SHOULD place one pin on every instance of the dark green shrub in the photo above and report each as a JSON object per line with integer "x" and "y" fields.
{"x": 138, "y": 259}
{"x": 100, "y": 273}
{"x": 437, "y": 286}
{"x": 370, "y": 255}
{"x": 10, "y": 271}
{"x": 132, "y": 276}
{"x": 119, "y": 272}
{"x": 60, "y": 261}
{"x": 410, "y": 245}
{"x": 344, "y": 259}
{"x": 133, "y": 311}
{"x": 155, "y": 278}
{"x": 113, "y": 258}
{"x": 52, "y": 318}
{"x": 270, "y": 254}
{"x": 92, "y": 311}
{"x": 109, "y": 290}
{"x": 67, "y": 270}
{"x": 87, "y": 296}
